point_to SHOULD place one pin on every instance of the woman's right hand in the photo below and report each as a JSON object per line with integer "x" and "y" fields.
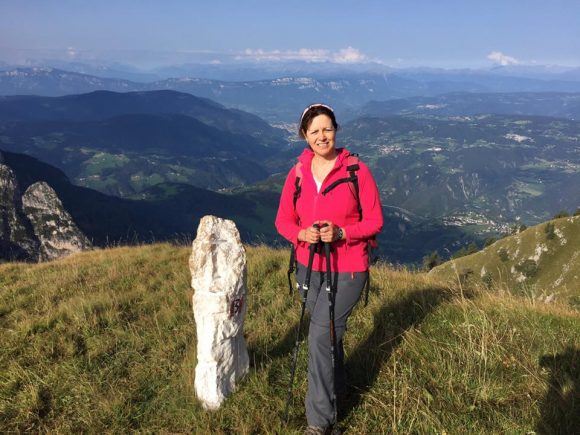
{"x": 309, "y": 235}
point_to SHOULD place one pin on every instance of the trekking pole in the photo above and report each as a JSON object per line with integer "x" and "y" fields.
{"x": 305, "y": 287}
{"x": 330, "y": 294}
{"x": 367, "y": 288}
{"x": 291, "y": 268}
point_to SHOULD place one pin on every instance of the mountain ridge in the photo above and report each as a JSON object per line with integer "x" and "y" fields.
{"x": 344, "y": 92}
{"x": 554, "y": 104}
{"x": 122, "y": 143}
{"x": 104, "y": 104}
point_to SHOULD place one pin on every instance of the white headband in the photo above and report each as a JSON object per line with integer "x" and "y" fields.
{"x": 315, "y": 105}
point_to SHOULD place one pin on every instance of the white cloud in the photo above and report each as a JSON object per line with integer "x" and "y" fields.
{"x": 502, "y": 59}
{"x": 344, "y": 55}
{"x": 71, "y": 51}
{"x": 349, "y": 55}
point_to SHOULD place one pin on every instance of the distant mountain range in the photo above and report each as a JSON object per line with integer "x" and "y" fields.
{"x": 474, "y": 175}
{"x": 452, "y": 168}
{"x": 123, "y": 143}
{"x": 280, "y": 99}
{"x": 227, "y": 69}
{"x": 100, "y": 105}
{"x": 556, "y": 104}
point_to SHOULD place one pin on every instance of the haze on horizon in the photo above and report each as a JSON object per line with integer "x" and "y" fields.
{"x": 397, "y": 33}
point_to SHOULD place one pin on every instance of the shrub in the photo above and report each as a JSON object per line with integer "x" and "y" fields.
{"x": 529, "y": 268}
{"x": 577, "y": 212}
{"x": 550, "y": 230}
{"x": 517, "y": 228}
{"x": 431, "y": 260}
{"x": 466, "y": 250}
{"x": 487, "y": 279}
{"x": 489, "y": 241}
{"x": 503, "y": 255}
{"x": 472, "y": 248}
{"x": 464, "y": 274}
{"x": 561, "y": 214}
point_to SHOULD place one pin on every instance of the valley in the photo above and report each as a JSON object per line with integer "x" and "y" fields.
{"x": 448, "y": 173}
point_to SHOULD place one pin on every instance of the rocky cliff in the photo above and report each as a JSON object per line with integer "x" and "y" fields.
{"x": 17, "y": 241}
{"x": 52, "y": 224}
{"x": 34, "y": 226}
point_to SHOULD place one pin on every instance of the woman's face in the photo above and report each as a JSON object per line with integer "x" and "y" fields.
{"x": 320, "y": 135}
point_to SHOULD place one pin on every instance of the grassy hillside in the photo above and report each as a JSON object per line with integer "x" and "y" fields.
{"x": 542, "y": 262}
{"x": 105, "y": 340}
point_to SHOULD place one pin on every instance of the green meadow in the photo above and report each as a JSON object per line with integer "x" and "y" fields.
{"x": 104, "y": 341}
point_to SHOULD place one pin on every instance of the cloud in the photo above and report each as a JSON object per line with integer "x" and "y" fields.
{"x": 350, "y": 55}
{"x": 344, "y": 55}
{"x": 71, "y": 51}
{"x": 502, "y": 59}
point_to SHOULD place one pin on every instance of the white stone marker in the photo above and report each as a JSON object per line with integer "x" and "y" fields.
{"x": 218, "y": 277}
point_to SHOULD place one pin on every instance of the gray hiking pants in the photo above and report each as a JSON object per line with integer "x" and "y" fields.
{"x": 349, "y": 286}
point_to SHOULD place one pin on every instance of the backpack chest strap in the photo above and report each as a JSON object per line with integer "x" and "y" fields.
{"x": 352, "y": 167}
{"x": 349, "y": 179}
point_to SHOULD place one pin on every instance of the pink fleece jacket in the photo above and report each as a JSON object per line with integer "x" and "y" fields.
{"x": 338, "y": 206}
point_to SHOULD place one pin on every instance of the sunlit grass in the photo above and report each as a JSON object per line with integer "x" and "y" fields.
{"x": 105, "y": 341}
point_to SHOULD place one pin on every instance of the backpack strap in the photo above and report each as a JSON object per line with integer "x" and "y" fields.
{"x": 352, "y": 166}
{"x": 297, "y": 183}
{"x": 349, "y": 179}
{"x": 297, "y": 190}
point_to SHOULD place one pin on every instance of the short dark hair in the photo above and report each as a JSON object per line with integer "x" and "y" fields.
{"x": 312, "y": 112}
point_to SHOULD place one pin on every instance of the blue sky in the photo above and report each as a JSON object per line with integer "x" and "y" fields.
{"x": 397, "y": 32}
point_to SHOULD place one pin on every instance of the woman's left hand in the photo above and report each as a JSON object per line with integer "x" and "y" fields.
{"x": 328, "y": 233}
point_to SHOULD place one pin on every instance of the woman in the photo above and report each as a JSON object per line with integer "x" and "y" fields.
{"x": 332, "y": 216}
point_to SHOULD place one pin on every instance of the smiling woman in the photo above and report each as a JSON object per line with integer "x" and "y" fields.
{"x": 331, "y": 197}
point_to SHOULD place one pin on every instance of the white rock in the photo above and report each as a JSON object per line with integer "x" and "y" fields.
{"x": 538, "y": 252}
{"x": 218, "y": 276}
{"x": 54, "y": 227}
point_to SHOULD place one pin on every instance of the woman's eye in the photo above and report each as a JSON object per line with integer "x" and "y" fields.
{"x": 314, "y": 132}
{"x": 328, "y": 130}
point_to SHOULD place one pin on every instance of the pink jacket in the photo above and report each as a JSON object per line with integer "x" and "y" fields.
{"x": 338, "y": 206}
